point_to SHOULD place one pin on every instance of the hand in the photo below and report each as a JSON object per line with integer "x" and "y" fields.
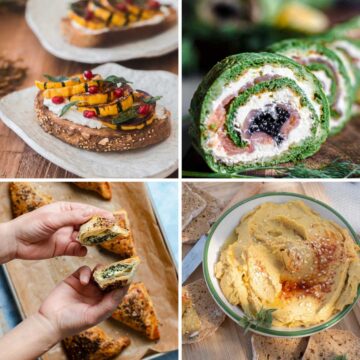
{"x": 77, "y": 304}
{"x": 50, "y": 231}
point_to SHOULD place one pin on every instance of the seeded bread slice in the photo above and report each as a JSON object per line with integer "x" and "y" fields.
{"x": 202, "y": 223}
{"x": 327, "y": 345}
{"x": 104, "y": 139}
{"x": 210, "y": 315}
{"x": 79, "y": 38}
{"x": 192, "y": 205}
{"x": 269, "y": 348}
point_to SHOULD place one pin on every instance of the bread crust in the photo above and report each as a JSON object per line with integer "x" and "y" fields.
{"x": 115, "y": 37}
{"x": 101, "y": 140}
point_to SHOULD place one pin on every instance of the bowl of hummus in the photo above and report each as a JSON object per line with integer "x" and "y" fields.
{"x": 287, "y": 255}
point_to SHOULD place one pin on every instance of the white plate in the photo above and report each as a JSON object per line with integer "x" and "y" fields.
{"x": 44, "y": 17}
{"x": 17, "y": 112}
{"x": 224, "y": 228}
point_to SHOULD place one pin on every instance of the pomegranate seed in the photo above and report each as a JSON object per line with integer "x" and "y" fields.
{"x": 93, "y": 89}
{"x": 153, "y": 4}
{"x": 121, "y": 7}
{"x": 89, "y": 15}
{"x": 88, "y": 74}
{"x": 119, "y": 92}
{"x": 89, "y": 114}
{"x": 144, "y": 109}
{"x": 57, "y": 99}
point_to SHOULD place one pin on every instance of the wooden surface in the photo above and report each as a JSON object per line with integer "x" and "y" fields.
{"x": 230, "y": 339}
{"x": 17, "y": 40}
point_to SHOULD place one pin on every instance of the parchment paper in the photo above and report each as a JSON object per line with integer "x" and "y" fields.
{"x": 33, "y": 280}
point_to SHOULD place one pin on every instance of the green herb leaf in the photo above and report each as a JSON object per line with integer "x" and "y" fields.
{"x": 56, "y": 78}
{"x": 151, "y": 99}
{"x": 125, "y": 116}
{"x": 117, "y": 80}
{"x": 67, "y": 107}
{"x": 340, "y": 357}
{"x": 262, "y": 318}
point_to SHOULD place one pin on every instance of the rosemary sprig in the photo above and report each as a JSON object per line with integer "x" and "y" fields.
{"x": 67, "y": 107}
{"x": 262, "y": 318}
{"x": 117, "y": 80}
{"x": 340, "y": 357}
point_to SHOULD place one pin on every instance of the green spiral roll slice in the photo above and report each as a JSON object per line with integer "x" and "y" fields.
{"x": 258, "y": 109}
{"x": 316, "y": 57}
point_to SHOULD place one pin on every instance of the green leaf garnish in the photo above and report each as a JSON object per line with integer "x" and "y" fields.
{"x": 67, "y": 107}
{"x": 56, "y": 78}
{"x": 340, "y": 357}
{"x": 125, "y": 116}
{"x": 262, "y": 318}
{"x": 117, "y": 80}
{"x": 151, "y": 99}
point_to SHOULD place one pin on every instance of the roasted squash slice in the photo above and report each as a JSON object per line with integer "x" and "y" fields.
{"x": 117, "y": 19}
{"x": 111, "y": 109}
{"x": 74, "y": 80}
{"x": 70, "y": 90}
{"x": 94, "y": 24}
{"x": 129, "y": 127}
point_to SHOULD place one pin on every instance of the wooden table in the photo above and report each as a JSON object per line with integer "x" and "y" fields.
{"x": 230, "y": 338}
{"x": 17, "y": 40}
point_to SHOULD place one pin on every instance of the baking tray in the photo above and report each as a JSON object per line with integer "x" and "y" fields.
{"x": 168, "y": 247}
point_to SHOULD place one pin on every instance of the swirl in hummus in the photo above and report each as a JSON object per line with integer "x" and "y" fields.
{"x": 286, "y": 257}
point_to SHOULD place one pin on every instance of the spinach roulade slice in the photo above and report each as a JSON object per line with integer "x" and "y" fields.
{"x": 328, "y": 66}
{"x": 256, "y": 110}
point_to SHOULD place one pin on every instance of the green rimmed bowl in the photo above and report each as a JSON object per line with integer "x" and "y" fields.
{"x": 224, "y": 228}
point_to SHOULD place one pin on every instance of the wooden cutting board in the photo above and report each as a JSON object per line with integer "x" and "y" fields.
{"x": 230, "y": 339}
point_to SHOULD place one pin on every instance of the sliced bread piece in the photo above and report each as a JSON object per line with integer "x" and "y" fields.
{"x": 192, "y": 205}
{"x": 210, "y": 315}
{"x": 202, "y": 223}
{"x": 333, "y": 343}
{"x": 270, "y": 348}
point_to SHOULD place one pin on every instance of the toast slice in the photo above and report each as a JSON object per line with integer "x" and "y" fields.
{"x": 192, "y": 205}
{"x": 210, "y": 315}
{"x": 116, "y": 275}
{"x": 331, "y": 344}
{"x": 122, "y": 245}
{"x": 94, "y": 344}
{"x": 103, "y": 139}
{"x": 102, "y": 188}
{"x": 201, "y": 224}
{"x": 271, "y": 348}
{"x": 82, "y": 38}
{"x": 25, "y": 198}
{"x": 137, "y": 311}
{"x": 99, "y": 229}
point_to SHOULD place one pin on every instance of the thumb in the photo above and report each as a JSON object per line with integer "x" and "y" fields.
{"x": 108, "y": 304}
